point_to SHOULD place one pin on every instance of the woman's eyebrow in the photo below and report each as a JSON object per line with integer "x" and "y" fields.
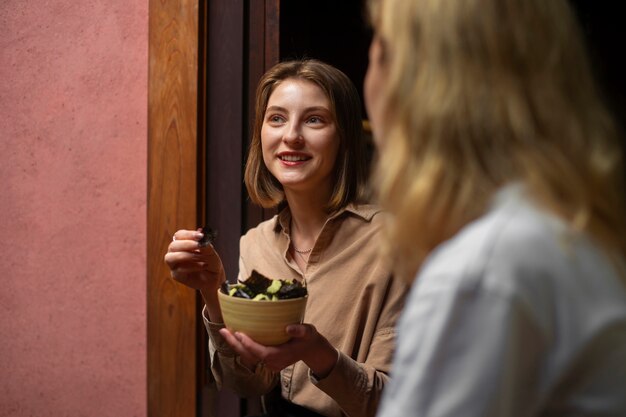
{"x": 306, "y": 110}
{"x": 276, "y": 108}
{"x": 317, "y": 108}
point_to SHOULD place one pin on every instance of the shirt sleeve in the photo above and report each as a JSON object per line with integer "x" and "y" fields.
{"x": 228, "y": 370}
{"x": 357, "y": 387}
{"x": 465, "y": 351}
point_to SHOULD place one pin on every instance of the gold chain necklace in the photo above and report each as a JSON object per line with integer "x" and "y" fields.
{"x": 300, "y": 251}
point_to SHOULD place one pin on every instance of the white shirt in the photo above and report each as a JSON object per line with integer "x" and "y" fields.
{"x": 516, "y": 315}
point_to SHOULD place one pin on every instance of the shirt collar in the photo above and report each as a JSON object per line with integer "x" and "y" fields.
{"x": 364, "y": 211}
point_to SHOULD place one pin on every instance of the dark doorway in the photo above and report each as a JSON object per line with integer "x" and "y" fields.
{"x": 239, "y": 41}
{"x": 335, "y": 32}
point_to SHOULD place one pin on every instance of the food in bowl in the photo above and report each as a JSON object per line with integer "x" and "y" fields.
{"x": 208, "y": 237}
{"x": 259, "y": 287}
{"x": 263, "y": 319}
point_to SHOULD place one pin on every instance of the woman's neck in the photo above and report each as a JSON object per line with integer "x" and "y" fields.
{"x": 308, "y": 215}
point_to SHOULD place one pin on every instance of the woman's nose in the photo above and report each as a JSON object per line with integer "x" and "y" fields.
{"x": 293, "y": 135}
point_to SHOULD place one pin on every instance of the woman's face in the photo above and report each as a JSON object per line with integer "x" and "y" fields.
{"x": 373, "y": 87}
{"x": 299, "y": 137}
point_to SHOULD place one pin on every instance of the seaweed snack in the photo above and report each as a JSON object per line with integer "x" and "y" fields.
{"x": 208, "y": 238}
{"x": 259, "y": 287}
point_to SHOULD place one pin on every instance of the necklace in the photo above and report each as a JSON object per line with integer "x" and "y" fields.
{"x": 303, "y": 254}
{"x": 301, "y": 251}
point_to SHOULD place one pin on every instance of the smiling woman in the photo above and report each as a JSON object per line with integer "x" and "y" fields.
{"x": 299, "y": 139}
{"x": 307, "y": 158}
{"x": 332, "y": 93}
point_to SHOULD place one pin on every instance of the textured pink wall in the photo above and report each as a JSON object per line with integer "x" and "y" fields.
{"x": 73, "y": 149}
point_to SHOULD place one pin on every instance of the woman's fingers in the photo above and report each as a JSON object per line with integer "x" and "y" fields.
{"x": 194, "y": 269}
{"x": 187, "y": 235}
{"x": 247, "y": 358}
{"x": 176, "y": 258}
{"x": 183, "y": 246}
{"x": 186, "y": 252}
{"x": 275, "y": 358}
{"x": 258, "y": 350}
{"x": 300, "y": 330}
{"x": 179, "y": 264}
{"x": 187, "y": 270}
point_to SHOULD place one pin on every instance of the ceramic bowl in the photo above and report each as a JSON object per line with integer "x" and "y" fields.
{"x": 264, "y": 321}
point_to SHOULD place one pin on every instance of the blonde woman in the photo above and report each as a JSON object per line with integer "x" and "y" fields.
{"x": 307, "y": 156}
{"x": 501, "y": 169}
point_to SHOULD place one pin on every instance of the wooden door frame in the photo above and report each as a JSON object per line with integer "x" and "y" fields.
{"x": 174, "y": 186}
{"x": 182, "y": 191}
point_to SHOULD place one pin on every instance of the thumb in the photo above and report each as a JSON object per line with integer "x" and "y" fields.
{"x": 299, "y": 330}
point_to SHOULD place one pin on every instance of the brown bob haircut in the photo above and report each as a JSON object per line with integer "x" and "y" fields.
{"x": 351, "y": 166}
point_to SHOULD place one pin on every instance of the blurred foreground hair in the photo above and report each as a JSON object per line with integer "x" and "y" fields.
{"x": 481, "y": 93}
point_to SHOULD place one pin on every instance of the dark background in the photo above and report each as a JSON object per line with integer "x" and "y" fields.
{"x": 336, "y": 32}
{"x": 605, "y": 32}
{"x": 332, "y": 31}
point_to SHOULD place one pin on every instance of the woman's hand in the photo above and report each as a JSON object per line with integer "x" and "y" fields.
{"x": 197, "y": 267}
{"x": 306, "y": 344}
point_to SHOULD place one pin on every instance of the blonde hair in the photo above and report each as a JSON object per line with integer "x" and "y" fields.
{"x": 481, "y": 93}
{"x": 351, "y": 167}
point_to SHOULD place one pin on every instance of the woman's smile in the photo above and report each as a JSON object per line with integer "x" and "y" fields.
{"x": 293, "y": 158}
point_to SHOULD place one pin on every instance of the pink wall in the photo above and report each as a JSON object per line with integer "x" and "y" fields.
{"x": 73, "y": 152}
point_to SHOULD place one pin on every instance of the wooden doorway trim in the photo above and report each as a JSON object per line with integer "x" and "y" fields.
{"x": 173, "y": 203}
{"x": 182, "y": 180}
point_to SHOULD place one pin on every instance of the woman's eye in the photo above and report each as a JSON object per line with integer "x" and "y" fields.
{"x": 315, "y": 119}
{"x": 275, "y": 119}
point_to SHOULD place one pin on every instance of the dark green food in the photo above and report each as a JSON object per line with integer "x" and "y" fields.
{"x": 208, "y": 238}
{"x": 259, "y": 287}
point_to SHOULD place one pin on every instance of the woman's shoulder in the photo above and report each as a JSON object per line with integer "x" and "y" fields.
{"x": 519, "y": 246}
{"x": 506, "y": 236}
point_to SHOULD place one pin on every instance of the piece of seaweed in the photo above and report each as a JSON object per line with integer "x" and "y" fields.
{"x": 209, "y": 237}
{"x": 291, "y": 290}
{"x": 257, "y": 282}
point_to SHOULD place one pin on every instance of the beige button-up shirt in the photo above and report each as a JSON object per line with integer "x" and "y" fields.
{"x": 353, "y": 301}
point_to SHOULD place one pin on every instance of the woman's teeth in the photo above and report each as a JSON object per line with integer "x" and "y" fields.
{"x": 292, "y": 158}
